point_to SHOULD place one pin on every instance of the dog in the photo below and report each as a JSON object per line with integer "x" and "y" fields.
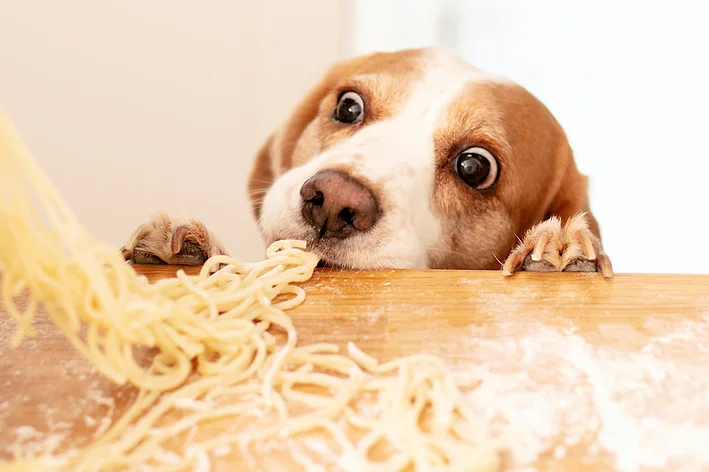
{"x": 411, "y": 160}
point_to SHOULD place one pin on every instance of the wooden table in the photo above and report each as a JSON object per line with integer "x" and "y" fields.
{"x": 577, "y": 372}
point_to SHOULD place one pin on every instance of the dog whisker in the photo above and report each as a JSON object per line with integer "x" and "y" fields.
{"x": 498, "y": 259}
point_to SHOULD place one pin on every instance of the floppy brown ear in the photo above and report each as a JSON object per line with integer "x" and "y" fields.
{"x": 276, "y": 154}
{"x": 262, "y": 176}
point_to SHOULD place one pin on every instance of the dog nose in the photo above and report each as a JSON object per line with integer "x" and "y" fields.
{"x": 337, "y": 205}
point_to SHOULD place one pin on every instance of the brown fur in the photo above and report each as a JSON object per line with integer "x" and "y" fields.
{"x": 538, "y": 176}
{"x": 163, "y": 238}
{"x": 262, "y": 176}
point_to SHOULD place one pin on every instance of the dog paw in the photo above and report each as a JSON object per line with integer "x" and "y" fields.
{"x": 167, "y": 240}
{"x": 551, "y": 247}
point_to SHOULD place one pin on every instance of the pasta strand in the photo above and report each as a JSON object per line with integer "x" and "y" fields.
{"x": 214, "y": 355}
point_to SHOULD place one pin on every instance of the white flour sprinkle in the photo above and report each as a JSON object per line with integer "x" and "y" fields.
{"x": 23, "y": 433}
{"x": 643, "y": 400}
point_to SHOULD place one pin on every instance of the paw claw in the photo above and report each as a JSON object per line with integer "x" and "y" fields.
{"x": 163, "y": 240}
{"x": 540, "y": 246}
{"x": 512, "y": 264}
{"x": 589, "y": 250}
{"x": 549, "y": 247}
{"x": 178, "y": 238}
{"x": 604, "y": 263}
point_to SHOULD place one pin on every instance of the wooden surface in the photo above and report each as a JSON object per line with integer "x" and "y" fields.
{"x": 577, "y": 372}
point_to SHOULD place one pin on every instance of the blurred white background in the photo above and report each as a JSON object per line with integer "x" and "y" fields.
{"x": 136, "y": 106}
{"x": 629, "y": 82}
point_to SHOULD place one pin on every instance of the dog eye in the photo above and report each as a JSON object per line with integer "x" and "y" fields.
{"x": 477, "y": 167}
{"x": 349, "y": 109}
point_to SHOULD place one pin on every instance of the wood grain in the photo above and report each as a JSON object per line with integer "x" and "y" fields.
{"x": 550, "y": 350}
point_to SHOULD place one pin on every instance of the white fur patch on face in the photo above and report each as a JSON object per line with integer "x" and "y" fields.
{"x": 397, "y": 156}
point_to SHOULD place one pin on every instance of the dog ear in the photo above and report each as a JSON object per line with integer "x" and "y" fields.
{"x": 261, "y": 176}
{"x": 276, "y": 154}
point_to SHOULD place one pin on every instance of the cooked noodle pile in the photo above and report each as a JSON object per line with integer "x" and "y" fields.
{"x": 217, "y": 351}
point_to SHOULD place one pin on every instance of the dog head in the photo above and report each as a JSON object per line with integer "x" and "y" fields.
{"x": 412, "y": 159}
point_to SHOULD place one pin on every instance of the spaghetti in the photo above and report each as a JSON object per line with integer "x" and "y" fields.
{"x": 217, "y": 352}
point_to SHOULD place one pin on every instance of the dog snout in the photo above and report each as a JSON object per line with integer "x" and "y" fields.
{"x": 337, "y": 205}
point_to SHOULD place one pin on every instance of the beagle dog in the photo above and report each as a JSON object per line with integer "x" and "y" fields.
{"x": 411, "y": 159}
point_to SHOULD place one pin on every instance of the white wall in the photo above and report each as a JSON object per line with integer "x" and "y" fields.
{"x": 133, "y": 106}
{"x": 628, "y": 80}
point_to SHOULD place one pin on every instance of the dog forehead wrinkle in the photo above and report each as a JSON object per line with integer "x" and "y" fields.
{"x": 407, "y": 138}
{"x": 444, "y": 79}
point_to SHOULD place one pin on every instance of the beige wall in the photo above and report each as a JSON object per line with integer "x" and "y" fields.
{"x": 136, "y": 106}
